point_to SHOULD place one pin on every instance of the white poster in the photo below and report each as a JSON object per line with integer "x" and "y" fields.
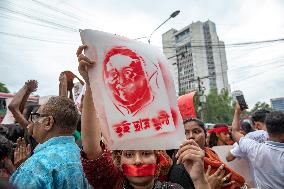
{"x": 133, "y": 93}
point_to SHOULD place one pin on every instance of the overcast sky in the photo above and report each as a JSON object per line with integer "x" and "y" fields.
{"x": 39, "y": 38}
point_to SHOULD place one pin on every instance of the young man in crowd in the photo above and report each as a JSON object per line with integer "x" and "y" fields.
{"x": 56, "y": 159}
{"x": 259, "y": 135}
{"x": 266, "y": 158}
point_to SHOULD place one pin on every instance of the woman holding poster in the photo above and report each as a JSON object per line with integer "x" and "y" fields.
{"x": 127, "y": 168}
{"x": 218, "y": 174}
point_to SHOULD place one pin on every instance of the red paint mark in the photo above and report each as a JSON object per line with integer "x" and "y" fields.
{"x": 164, "y": 75}
{"x": 175, "y": 117}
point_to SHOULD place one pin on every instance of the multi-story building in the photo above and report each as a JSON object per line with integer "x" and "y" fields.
{"x": 197, "y": 57}
{"x": 277, "y": 103}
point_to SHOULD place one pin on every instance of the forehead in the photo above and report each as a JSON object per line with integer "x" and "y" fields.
{"x": 118, "y": 62}
{"x": 191, "y": 125}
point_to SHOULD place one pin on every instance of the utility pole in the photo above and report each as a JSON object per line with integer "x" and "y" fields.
{"x": 201, "y": 97}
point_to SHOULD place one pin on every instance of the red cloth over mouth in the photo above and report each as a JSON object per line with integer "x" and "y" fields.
{"x": 139, "y": 170}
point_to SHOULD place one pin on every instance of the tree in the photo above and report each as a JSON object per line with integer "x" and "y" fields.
{"x": 3, "y": 88}
{"x": 219, "y": 107}
{"x": 182, "y": 93}
{"x": 260, "y": 105}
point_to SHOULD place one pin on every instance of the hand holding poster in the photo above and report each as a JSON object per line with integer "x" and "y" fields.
{"x": 133, "y": 93}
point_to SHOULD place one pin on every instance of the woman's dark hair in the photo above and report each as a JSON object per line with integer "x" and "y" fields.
{"x": 6, "y": 147}
{"x": 199, "y": 123}
{"x": 213, "y": 138}
{"x": 246, "y": 127}
{"x": 218, "y": 125}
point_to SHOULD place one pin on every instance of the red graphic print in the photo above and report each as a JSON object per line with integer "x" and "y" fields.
{"x": 126, "y": 79}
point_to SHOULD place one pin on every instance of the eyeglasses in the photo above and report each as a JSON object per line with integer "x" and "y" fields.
{"x": 35, "y": 116}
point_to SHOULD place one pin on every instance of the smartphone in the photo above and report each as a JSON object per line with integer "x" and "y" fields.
{"x": 242, "y": 102}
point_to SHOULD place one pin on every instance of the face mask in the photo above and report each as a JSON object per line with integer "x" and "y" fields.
{"x": 139, "y": 170}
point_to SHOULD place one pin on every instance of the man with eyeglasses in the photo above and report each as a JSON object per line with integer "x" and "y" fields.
{"x": 56, "y": 159}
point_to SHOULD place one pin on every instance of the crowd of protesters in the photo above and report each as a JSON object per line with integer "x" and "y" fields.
{"x": 55, "y": 144}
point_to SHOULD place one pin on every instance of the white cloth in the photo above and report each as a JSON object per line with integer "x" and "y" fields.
{"x": 267, "y": 160}
{"x": 259, "y": 136}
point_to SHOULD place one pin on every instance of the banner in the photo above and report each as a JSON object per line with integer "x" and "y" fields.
{"x": 133, "y": 93}
{"x": 186, "y": 106}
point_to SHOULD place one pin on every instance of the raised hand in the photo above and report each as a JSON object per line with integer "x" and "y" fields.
{"x": 191, "y": 155}
{"x": 31, "y": 85}
{"x": 63, "y": 85}
{"x": 218, "y": 179}
{"x": 238, "y": 108}
{"x": 84, "y": 63}
{"x": 22, "y": 152}
{"x": 70, "y": 85}
{"x": 63, "y": 78}
{"x": 18, "y": 102}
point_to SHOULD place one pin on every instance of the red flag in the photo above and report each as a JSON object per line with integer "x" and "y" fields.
{"x": 186, "y": 106}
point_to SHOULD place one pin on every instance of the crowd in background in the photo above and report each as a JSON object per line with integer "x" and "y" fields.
{"x": 57, "y": 144}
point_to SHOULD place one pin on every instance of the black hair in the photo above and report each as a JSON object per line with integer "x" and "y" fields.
{"x": 275, "y": 123}
{"x": 259, "y": 115}
{"x": 213, "y": 139}
{"x": 246, "y": 127}
{"x": 218, "y": 125}
{"x": 29, "y": 109}
{"x": 6, "y": 147}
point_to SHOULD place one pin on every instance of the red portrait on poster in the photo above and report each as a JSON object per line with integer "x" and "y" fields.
{"x": 126, "y": 80}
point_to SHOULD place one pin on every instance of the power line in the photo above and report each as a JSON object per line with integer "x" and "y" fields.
{"x": 228, "y": 45}
{"x": 35, "y": 38}
{"x": 67, "y": 28}
{"x": 25, "y": 21}
{"x": 275, "y": 60}
{"x": 256, "y": 74}
{"x": 55, "y": 9}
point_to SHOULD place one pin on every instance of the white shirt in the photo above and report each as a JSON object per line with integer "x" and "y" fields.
{"x": 267, "y": 160}
{"x": 259, "y": 136}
